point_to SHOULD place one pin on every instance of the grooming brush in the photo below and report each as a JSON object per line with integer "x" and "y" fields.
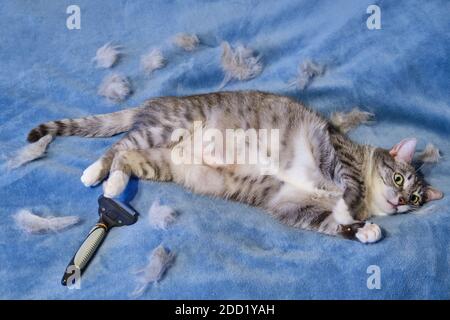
{"x": 112, "y": 214}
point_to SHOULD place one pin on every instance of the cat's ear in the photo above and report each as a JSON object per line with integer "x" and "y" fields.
{"x": 404, "y": 150}
{"x": 433, "y": 194}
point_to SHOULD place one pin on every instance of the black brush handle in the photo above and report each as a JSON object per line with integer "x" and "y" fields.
{"x": 86, "y": 251}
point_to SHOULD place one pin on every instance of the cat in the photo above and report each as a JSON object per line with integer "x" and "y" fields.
{"x": 325, "y": 182}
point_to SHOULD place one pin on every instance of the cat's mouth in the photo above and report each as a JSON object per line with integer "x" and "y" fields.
{"x": 393, "y": 206}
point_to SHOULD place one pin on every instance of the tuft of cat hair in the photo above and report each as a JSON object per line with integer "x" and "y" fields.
{"x": 106, "y": 56}
{"x": 186, "y": 41}
{"x": 307, "y": 71}
{"x": 160, "y": 216}
{"x": 115, "y": 87}
{"x": 30, "y": 152}
{"x": 159, "y": 261}
{"x": 430, "y": 154}
{"x": 32, "y": 223}
{"x": 345, "y": 121}
{"x": 240, "y": 63}
{"x": 152, "y": 60}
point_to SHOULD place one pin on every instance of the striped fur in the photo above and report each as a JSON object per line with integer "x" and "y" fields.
{"x": 104, "y": 125}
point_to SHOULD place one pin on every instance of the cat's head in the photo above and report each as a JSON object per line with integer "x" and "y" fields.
{"x": 396, "y": 185}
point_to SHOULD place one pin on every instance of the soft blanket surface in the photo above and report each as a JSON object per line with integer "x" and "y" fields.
{"x": 223, "y": 249}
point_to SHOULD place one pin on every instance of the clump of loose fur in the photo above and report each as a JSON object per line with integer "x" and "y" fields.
{"x": 430, "y": 154}
{"x": 308, "y": 70}
{"x": 159, "y": 261}
{"x": 32, "y": 223}
{"x": 240, "y": 63}
{"x": 152, "y": 61}
{"x": 30, "y": 152}
{"x": 107, "y": 55}
{"x": 345, "y": 121}
{"x": 115, "y": 87}
{"x": 161, "y": 216}
{"x": 186, "y": 41}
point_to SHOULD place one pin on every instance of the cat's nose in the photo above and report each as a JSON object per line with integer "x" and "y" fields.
{"x": 401, "y": 201}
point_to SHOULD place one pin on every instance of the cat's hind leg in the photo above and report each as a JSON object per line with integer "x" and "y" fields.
{"x": 150, "y": 164}
{"x": 135, "y": 139}
{"x": 95, "y": 173}
{"x": 119, "y": 175}
{"x": 157, "y": 164}
{"x": 98, "y": 171}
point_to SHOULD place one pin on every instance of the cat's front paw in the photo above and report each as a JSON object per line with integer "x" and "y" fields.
{"x": 115, "y": 184}
{"x": 369, "y": 233}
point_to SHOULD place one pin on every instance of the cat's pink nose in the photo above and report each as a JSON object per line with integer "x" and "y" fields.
{"x": 401, "y": 201}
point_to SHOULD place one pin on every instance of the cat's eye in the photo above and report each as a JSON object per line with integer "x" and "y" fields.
{"x": 415, "y": 199}
{"x": 398, "y": 179}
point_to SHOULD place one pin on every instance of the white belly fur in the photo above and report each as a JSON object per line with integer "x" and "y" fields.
{"x": 304, "y": 173}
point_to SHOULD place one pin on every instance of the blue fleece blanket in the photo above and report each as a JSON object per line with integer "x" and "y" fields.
{"x": 223, "y": 249}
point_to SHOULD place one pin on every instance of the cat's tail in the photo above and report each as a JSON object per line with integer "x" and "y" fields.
{"x": 103, "y": 125}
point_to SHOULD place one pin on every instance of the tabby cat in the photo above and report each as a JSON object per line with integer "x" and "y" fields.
{"x": 325, "y": 182}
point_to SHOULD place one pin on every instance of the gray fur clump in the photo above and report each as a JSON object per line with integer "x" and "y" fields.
{"x": 160, "y": 216}
{"x": 186, "y": 41}
{"x": 240, "y": 63}
{"x": 152, "y": 61}
{"x": 430, "y": 154}
{"x": 159, "y": 261}
{"x": 115, "y": 88}
{"x": 345, "y": 121}
{"x": 30, "y": 152}
{"x": 106, "y": 56}
{"x": 308, "y": 70}
{"x": 32, "y": 223}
